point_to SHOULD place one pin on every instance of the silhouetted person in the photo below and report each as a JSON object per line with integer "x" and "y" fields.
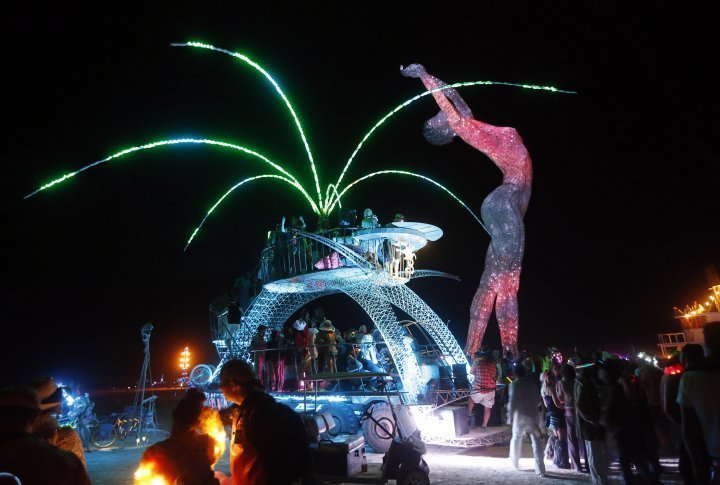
{"x": 524, "y": 406}
{"x": 588, "y": 409}
{"x": 187, "y": 456}
{"x": 269, "y": 444}
{"x": 691, "y": 358}
{"x": 699, "y": 400}
{"x": 30, "y": 459}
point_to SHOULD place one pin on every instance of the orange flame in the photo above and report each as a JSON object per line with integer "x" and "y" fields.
{"x": 211, "y": 425}
{"x": 145, "y": 475}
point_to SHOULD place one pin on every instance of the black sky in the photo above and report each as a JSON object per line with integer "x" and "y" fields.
{"x": 623, "y": 218}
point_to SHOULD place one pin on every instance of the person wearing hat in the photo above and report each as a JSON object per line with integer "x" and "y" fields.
{"x": 269, "y": 444}
{"x": 325, "y": 342}
{"x": 30, "y": 459}
{"x": 301, "y": 341}
{"x": 483, "y": 390}
{"x": 47, "y": 427}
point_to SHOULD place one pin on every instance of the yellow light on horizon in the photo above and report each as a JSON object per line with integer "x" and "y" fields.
{"x": 185, "y": 359}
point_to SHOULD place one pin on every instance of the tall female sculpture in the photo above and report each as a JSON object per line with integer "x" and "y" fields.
{"x": 502, "y": 210}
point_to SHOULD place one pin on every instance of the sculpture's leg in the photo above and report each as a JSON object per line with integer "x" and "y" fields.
{"x": 480, "y": 311}
{"x": 506, "y": 310}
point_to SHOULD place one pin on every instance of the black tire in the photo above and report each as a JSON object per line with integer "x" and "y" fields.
{"x": 380, "y": 429}
{"x": 344, "y": 417}
{"x": 103, "y": 436}
{"x": 413, "y": 475}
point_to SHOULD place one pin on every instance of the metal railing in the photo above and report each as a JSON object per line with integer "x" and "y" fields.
{"x": 295, "y": 253}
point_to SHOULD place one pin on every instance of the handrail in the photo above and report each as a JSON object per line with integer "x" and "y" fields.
{"x": 350, "y": 255}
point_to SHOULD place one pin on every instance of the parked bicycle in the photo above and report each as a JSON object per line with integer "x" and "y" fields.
{"x": 118, "y": 426}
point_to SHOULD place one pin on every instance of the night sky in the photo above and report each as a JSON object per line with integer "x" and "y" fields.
{"x": 623, "y": 218}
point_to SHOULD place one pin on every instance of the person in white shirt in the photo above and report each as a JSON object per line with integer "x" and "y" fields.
{"x": 523, "y": 414}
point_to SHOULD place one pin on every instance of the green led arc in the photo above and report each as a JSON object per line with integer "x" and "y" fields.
{"x": 403, "y": 172}
{"x": 237, "y": 185}
{"x": 327, "y": 198}
{"x": 426, "y": 93}
{"x": 156, "y": 144}
{"x": 262, "y": 71}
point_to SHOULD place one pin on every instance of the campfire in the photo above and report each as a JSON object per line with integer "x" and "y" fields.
{"x": 211, "y": 425}
{"x": 152, "y": 472}
{"x": 146, "y": 475}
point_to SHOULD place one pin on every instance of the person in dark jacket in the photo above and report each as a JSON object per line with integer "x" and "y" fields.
{"x": 269, "y": 444}
{"x": 588, "y": 409}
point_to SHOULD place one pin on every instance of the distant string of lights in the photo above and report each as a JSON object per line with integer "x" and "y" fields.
{"x": 696, "y": 309}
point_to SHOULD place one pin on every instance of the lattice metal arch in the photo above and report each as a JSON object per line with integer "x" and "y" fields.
{"x": 376, "y": 293}
{"x": 371, "y": 287}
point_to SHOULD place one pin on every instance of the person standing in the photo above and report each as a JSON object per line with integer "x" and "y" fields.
{"x": 524, "y": 405}
{"x": 566, "y": 393}
{"x": 325, "y": 342}
{"x": 699, "y": 400}
{"x": 588, "y": 409}
{"x": 269, "y": 444}
{"x": 483, "y": 390}
{"x": 301, "y": 342}
{"x": 275, "y": 361}
{"x": 502, "y": 210}
{"x": 557, "y": 442}
{"x": 258, "y": 346}
{"x": 691, "y": 358}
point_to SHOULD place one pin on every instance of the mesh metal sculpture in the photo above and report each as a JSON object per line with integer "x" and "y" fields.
{"x": 374, "y": 289}
{"x": 502, "y": 211}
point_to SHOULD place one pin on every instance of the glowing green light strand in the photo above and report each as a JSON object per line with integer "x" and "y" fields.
{"x": 156, "y": 144}
{"x": 242, "y": 182}
{"x": 262, "y": 71}
{"x": 335, "y": 192}
{"x": 402, "y": 172}
{"x": 426, "y": 93}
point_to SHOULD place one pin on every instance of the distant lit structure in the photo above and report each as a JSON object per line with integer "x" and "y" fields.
{"x": 692, "y": 320}
{"x": 184, "y": 365}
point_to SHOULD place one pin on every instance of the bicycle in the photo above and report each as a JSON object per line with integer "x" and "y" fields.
{"x": 112, "y": 427}
{"x": 120, "y": 425}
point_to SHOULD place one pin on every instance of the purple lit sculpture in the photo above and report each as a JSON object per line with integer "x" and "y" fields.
{"x": 502, "y": 210}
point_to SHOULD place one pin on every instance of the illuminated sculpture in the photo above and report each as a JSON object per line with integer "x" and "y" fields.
{"x": 502, "y": 210}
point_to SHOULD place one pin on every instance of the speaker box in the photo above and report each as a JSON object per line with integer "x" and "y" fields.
{"x": 454, "y": 421}
{"x": 460, "y": 377}
{"x": 446, "y": 381}
{"x": 342, "y": 457}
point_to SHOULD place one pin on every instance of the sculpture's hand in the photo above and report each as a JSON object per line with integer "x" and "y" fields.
{"x": 413, "y": 70}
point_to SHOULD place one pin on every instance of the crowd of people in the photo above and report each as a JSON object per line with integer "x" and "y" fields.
{"x": 581, "y": 411}
{"x": 596, "y": 406}
{"x": 311, "y": 345}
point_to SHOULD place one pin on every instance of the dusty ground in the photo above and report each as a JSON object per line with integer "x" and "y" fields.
{"x": 486, "y": 465}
